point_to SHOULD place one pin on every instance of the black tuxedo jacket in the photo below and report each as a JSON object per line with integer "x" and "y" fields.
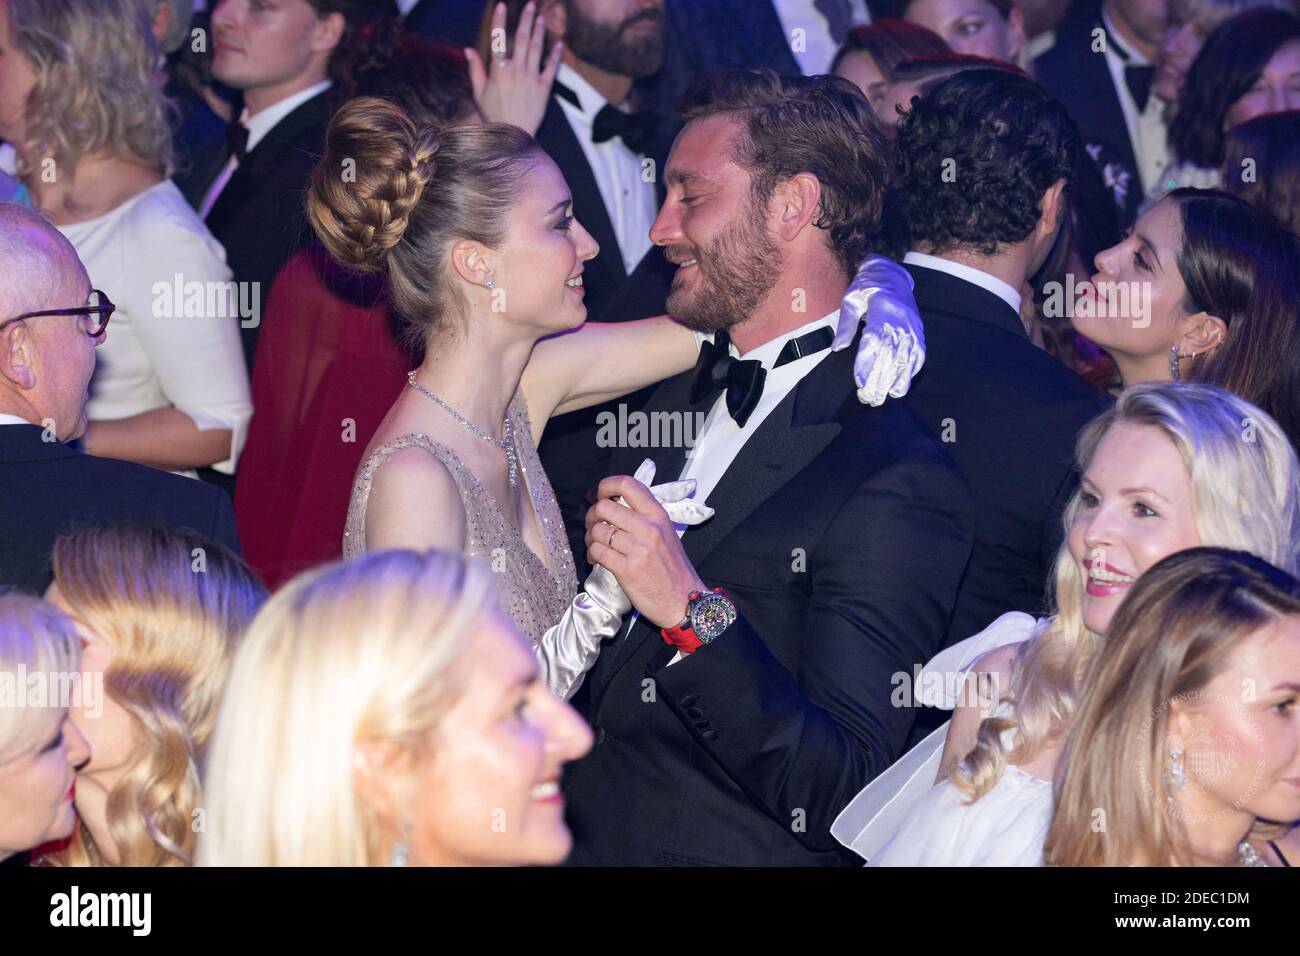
{"x": 1080, "y": 79}
{"x": 260, "y": 216}
{"x": 1008, "y": 413}
{"x": 841, "y": 533}
{"x": 51, "y": 489}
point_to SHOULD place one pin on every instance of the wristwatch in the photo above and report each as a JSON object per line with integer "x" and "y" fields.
{"x": 708, "y": 614}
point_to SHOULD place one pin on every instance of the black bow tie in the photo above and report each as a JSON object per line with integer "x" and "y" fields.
{"x": 718, "y": 369}
{"x": 1138, "y": 78}
{"x": 635, "y": 129}
{"x": 237, "y": 140}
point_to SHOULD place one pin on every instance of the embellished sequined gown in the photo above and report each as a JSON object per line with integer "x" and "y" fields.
{"x": 566, "y": 626}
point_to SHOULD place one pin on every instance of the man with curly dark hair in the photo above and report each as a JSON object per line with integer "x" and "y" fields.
{"x": 984, "y": 165}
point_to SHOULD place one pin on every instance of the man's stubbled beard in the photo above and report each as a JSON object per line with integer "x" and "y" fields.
{"x": 736, "y": 272}
{"x": 608, "y": 48}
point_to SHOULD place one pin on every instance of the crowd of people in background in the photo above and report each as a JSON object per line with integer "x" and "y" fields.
{"x": 328, "y": 536}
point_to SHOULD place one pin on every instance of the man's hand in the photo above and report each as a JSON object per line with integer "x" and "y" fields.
{"x": 892, "y": 348}
{"x": 630, "y": 533}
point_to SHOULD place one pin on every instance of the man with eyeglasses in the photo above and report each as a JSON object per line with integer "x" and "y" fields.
{"x": 51, "y": 321}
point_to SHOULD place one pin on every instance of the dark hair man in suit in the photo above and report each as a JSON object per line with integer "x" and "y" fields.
{"x": 49, "y": 328}
{"x": 841, "y": 530}
{"x": 283, "y": 56}
{"x": 984, "y": 167}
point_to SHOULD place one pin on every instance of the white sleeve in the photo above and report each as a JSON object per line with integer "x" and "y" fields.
{"x": 873, "y": 817}
{"x": 197, "y": 354}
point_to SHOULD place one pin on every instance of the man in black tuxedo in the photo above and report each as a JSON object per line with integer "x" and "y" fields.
{"x": 984, "y": 211}
{"x": 840, "y": 531}
{"x": 47, "y": 354}
{"x": 252, "y": 198}
{"x": 1102, "y": 67}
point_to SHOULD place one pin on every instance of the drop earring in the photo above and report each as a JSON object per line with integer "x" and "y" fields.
{"x": 1174, "y": 372}
{"x": 1175, "y": 775}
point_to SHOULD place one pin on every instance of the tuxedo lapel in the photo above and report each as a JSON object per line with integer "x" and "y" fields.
{"x": 263, "y": 160}
{"x": 796, "y": 432}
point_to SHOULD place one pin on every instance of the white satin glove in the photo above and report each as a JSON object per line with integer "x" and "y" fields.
{"x": 892, "y": 348}
{"x": 568, "y": 649}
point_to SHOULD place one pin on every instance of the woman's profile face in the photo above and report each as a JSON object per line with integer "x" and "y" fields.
{"x": 1240, "y": 734}
{"x": 107, "y": 727}
{"x": 488, "y": 789}
{"x": 36, "y": 787}
{"x": 537, "y": 279}
{"x": 1133, "y": 304}
{"x": 1276, "y": 90}
{"x": 972, "y": 27}
{"x": 1136, "y": 506}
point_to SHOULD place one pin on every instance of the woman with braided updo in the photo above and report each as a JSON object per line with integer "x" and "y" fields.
{"x": 473, "y": 227}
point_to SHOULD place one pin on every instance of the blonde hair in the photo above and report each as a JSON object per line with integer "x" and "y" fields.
{"x": 96, "y": 87}
{"x": 416, "y": 190}
{"x": 1170, "y": 637}
{"x": 1245, "y": 495}
{"x": 36, "y": 638}
{"x": 354, "y": 651}
{"x": 172, "y": 606}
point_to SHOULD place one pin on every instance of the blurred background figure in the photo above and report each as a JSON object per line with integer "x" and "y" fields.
{"x": 1249, "y": 66}
{"x": 426, "y": 736}
{"x": 40, "y": 745}
{"x": 871, "y": 56}
{"x": 1190, "y": 24}
{"x": 159, "y": 614}
{"x": 81, "y": 104}
{"x": 1261, "y": 164}
{"x": 1161, "y": 716}
{"x": 989, "y": 28}
{"x": 1102, "y": 67}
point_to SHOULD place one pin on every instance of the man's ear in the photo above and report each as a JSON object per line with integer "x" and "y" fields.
{"x": 1202, "y": 333}
{"x": 18, "y": 356}
{"x": 796, "y": 202}
{"x": 328, "y": 33}
{"x": 1053, "y": 208}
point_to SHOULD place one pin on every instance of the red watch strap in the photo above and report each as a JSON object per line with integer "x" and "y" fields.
{"x": 682, "y": 638}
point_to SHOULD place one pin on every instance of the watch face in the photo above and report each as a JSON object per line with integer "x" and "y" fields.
{"x": 711, "y": 614}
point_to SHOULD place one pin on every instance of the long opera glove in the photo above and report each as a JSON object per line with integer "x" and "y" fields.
{"x": 569, "y": 649}
{"x": 892, "y": 348}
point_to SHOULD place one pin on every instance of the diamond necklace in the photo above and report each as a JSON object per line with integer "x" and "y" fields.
{"x": 506, "y": 444}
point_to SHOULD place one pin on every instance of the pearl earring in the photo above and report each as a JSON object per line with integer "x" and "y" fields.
{"x": 490, "y": 283}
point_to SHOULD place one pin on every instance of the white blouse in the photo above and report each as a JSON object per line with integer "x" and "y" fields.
{"x": 174, "y": 338}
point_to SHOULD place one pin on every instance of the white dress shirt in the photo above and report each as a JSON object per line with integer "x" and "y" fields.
{"x": 406, "y": 6}
{"x": 1146, "y": 130}
{"x": 721, "y": 439}
{"x": 814, "y": 49}
{"x": 258, "y": 126}
{"x": 979, "y": 277}
{"x": 629, "y": 200}
{"x": 152, "y": 358}
{"x": 6, "y": 419}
